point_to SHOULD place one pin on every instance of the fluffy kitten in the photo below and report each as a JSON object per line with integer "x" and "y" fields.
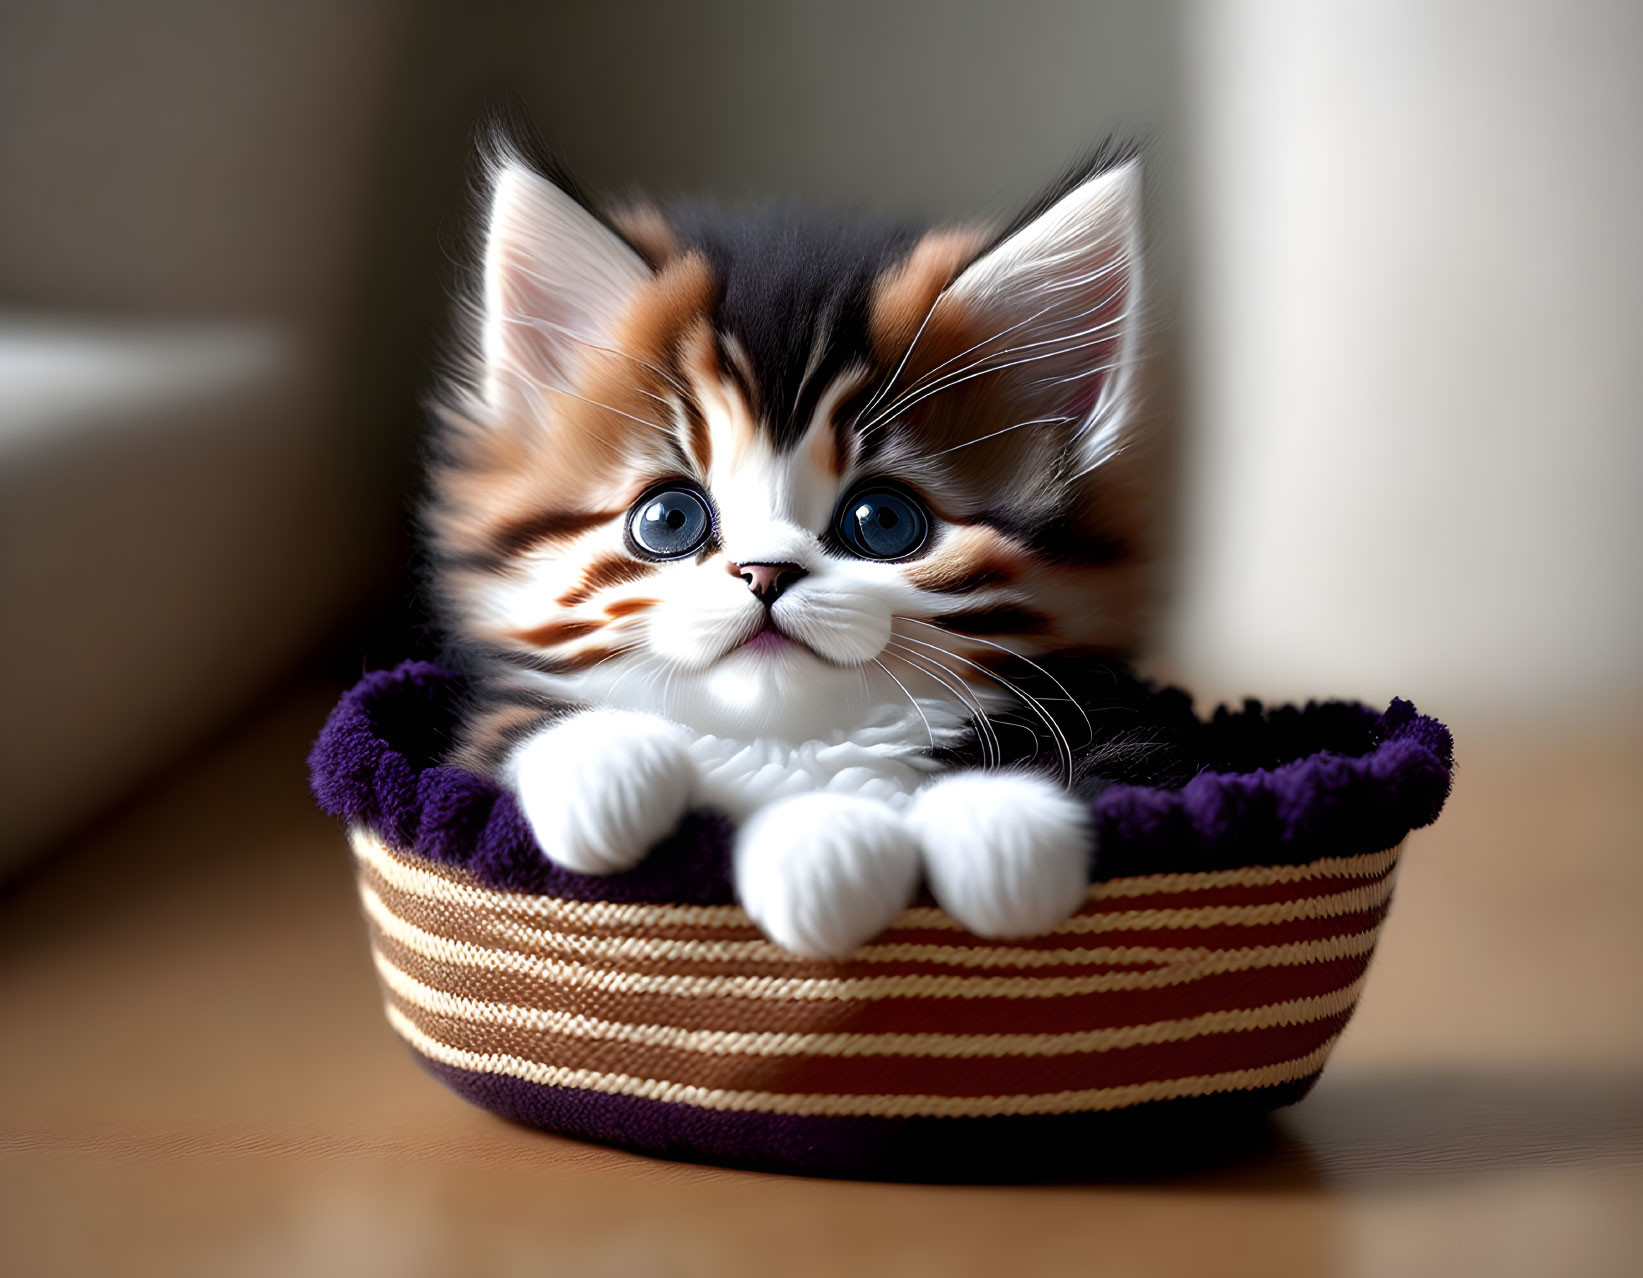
{"x": 758, "y": 512}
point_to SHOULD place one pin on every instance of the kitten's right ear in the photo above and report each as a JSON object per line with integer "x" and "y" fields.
{"x": 556, "y": 279}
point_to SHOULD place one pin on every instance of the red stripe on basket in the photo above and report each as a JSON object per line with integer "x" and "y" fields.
{"x": 1233, "y": 894}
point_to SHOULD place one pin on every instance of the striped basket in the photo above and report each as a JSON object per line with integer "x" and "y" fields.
{"x": 670, "y": 1025}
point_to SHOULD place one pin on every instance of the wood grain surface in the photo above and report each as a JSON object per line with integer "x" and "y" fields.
{"x": 180, "y": 1095}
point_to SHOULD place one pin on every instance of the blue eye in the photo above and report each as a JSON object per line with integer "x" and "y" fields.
{"x": 882, "y": 523}
{"x": 669, "y": 524}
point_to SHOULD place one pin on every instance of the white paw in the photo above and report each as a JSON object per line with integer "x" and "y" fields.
{"x": 1005, "y": 853}
{"x": 822, "y": 874}
{"x": 602, "y": 787}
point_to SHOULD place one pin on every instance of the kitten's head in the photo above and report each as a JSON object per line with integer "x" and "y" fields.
{"x": 764, "y": 474}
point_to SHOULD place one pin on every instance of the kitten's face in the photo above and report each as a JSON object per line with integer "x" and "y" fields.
{"x": 770, "y": 478}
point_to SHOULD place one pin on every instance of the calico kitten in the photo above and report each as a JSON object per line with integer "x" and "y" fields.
{"x": 759, "y": 512}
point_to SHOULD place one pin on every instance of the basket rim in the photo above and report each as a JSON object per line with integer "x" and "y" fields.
{"x": 1374, "y": 778}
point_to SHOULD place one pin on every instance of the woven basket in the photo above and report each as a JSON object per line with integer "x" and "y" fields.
{"x": 646, "y": 1009}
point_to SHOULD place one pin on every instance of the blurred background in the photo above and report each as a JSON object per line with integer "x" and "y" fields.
{"x": 1398, "y": 281}
{"x": 1395, "y": 270}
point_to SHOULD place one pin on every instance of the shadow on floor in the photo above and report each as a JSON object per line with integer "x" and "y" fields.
{"x": 1438, "y": 1125}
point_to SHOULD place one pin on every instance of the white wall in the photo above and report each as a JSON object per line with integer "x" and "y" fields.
{"x": 1419, "y": 302}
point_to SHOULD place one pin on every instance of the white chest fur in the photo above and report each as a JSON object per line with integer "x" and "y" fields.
{"x": 739, "y": 777}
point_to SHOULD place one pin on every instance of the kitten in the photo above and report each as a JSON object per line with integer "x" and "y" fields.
{"x": 754, "y": 513}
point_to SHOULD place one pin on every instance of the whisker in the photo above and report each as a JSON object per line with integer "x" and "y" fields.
{"x": 1117, "y": 264}
{"x": 536, "y": 322}
{"x": 961, "y": 376}
{"x": 1060, "y": 687}
{"x": 542, "y": 322}
{"x": 667, "y": 688}
{"x": 537, "y": 393}
{"x": 911, "y": 700}
{"x": 988, "y": 341}
{"x": 644, "y": 664}
{"x": 663, "y": 673}
{"x": 1115, "y": 365}
{"x": 1026, "y": 697}
{"x": 643, "y": 421}
{"x": 972, "y": 704}
{"x": 1067, "y": 335}
{"x": 990, "y": 748}
{"x": 900, "y": 403}
{"x": 1079, "y": 281}
{"x": 905, "y": 356}
{"x": 610, "y": 656}
{"x": 543, "y": 388}
{"x": 1037, "y": 421}
{"x": 928, "y": 373}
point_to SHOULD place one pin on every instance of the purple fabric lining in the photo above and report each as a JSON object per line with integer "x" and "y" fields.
{"x": 1345, "y": 781}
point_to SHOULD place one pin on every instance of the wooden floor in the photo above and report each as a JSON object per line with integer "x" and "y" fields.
{"x": 197, "y": 1079}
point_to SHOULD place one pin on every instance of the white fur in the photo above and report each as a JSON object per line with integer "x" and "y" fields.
{"x": 822, "y": 874}
{"x": 601, "y": 787}
{"x": 1006, "y": 854}
{"x": 885, "y": 760}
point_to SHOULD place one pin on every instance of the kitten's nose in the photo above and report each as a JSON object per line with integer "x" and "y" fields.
{"x": 767, "y": 581}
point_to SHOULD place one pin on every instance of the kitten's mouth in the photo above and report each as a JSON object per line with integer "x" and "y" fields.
{"x": 768, "y": 639}
{"x": 771, "y": 638}
{"x": 767, "y": 636}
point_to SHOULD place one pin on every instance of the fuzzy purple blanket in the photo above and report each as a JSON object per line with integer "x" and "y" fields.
{"x": 1279, "y": 786}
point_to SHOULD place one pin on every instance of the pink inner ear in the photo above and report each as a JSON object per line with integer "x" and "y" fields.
{"x": 1059, "y": 294}
{"x": 556, "y": 281}
{"x": 1084, "y": 389}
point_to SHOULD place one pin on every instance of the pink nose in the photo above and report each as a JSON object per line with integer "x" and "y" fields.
{"x": 767, "y": 581}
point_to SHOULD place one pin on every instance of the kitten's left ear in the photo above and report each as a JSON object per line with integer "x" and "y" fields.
{"x": 1062, "y": 293}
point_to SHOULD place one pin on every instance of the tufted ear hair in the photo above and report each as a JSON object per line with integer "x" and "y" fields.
{"x": 1062, "y": 292}
{"x": 556, "y": 279}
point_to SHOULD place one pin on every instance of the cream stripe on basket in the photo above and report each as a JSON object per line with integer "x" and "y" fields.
{"x": 637, "y": 948}
{"x": 402, "y": 873}
{"x": 1298, "y": 1011}
{"x": 1088, "y": 1099}
{"x": 1174, "y": 967}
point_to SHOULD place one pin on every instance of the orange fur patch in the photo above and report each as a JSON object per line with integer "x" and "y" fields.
{"x": 969, "y": 558}
{"x": 671, "y": 303}
{"x": 527, "y": 531}
{"x": 643, "y": 226}
{"x": 487, "y": 735}
{"x": 603, "y": 573}
{"x": 903, "y": 296}
{"x": 629, "y": 607}
{"x": 588, "y": 658}
{"x": 553, "y": 633}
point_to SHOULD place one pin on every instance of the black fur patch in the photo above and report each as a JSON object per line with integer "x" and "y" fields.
{"x": 793, "y": 286}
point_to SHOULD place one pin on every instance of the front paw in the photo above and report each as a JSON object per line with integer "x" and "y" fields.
{"x": 822, "y": 874}
{"x": 602, "y": 787}
{"x": 1005, "y": 853}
